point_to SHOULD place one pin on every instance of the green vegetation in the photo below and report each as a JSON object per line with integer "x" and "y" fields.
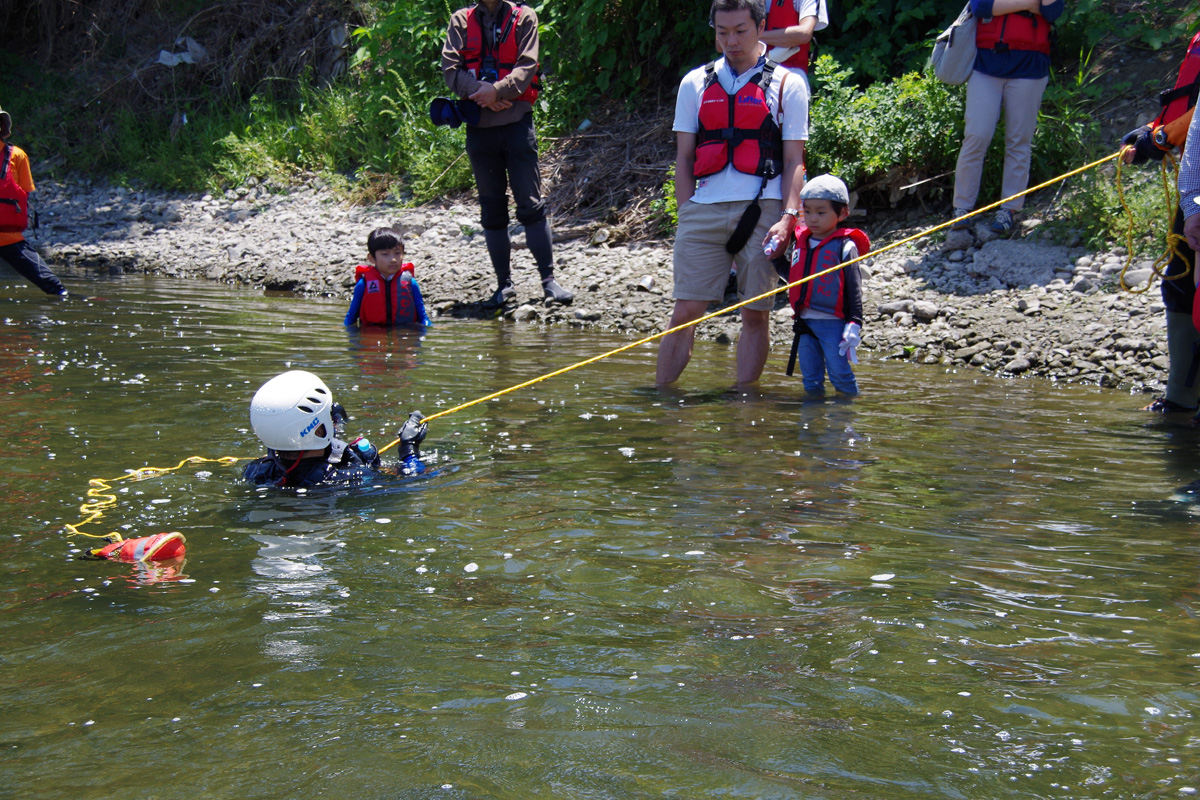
{"x": 257, "y": 111}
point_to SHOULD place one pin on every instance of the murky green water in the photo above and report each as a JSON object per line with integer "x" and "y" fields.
{"x": 954, "y": 586}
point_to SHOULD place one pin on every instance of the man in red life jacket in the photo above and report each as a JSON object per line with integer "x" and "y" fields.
{"x": 790, "y": 28}
{"x": 16, "y": 185}
{"x": 490, "y": 57}
{"x": 740, "y": 125}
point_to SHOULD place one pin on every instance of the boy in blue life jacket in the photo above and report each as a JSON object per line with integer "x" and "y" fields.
{"x": 294, "y": 415}
{"x": 380, "y": 297}
{"x": 828, "y": 309}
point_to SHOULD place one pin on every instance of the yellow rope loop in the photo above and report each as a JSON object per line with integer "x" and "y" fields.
{"x": 103, "y": 498}
{"x": 1170, "y": 184}
{"x": 736, "y": 306}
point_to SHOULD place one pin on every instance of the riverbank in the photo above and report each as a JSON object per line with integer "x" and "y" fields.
{"x": 1008, "y": 307}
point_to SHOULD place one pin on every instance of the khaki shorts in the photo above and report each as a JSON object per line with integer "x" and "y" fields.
{"x": 701, "y": 264}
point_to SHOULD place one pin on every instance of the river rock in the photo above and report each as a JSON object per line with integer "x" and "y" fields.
{"x": 1016, "y": 262}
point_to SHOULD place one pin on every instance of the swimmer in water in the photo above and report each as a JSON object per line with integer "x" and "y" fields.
{"x": 294, "y": 415}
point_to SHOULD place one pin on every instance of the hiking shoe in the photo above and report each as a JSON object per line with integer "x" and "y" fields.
{"x": 1162, "y": 405}
{"x": 556, "y": 293}
{"x": 503, "y": 295}
{"x": 1003, "y": 223}
{"x": 961, "y": 224}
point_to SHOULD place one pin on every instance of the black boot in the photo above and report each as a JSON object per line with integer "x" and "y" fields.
{"x": 505, "y": 293}
{"x": 555, "y": 292}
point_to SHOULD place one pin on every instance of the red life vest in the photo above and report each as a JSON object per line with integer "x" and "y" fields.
{"x": 386, "y": 302}
{"x": 159, "y": 547}
{"x": 1020, "y": 30}
{"x": 1171, "y": 126}
{"x": 783, "y": 14}
{"x": 502, "y": 55}
{"x": 14, "y": 200}
{"x": 738, "y": 128}
{"x": 826, "y": 293}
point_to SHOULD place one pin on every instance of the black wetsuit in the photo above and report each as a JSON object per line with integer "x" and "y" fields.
{"x": 356, "y": 465}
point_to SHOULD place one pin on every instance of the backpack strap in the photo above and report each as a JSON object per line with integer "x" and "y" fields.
{"x": 8, "y": 148}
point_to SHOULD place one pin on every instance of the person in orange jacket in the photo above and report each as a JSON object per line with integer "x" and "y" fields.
{"x": 16, "y": 185}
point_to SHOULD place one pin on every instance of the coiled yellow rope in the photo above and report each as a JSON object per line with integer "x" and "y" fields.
{"x": 102, "y": 498}
{"x": 1170, "y": 183}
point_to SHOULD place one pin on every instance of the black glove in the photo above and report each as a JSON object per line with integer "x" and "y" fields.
{"x": 412, "y": 433}
{"x": 1142, "y": 142}
{"x": 338, "y": 414}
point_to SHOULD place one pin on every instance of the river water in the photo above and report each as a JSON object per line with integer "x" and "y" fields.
{"x": 954, "y": 586}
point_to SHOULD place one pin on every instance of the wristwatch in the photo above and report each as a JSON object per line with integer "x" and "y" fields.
{"x": 794, "y": 212}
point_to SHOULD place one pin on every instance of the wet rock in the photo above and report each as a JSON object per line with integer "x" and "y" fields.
{"x": 525, "y": 313}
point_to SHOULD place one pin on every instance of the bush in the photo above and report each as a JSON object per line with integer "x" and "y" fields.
{"x": 889, "y": 135}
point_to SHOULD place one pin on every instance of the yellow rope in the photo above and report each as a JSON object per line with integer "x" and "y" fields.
{"x": 103, "y": 499}
{"x": 736, "y": 306}
{"x": 1170, "y": 183}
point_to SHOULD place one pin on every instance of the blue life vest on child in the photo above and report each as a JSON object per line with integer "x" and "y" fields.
{"x": 14, "y": 200}
{"x": 828, "y": 292}
{"x": 386, "y": 302}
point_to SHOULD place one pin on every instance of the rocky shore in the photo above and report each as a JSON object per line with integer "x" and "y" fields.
{"x": 1010, "y": 306}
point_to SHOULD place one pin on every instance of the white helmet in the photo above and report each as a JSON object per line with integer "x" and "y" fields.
{"x": 292, "y": 411}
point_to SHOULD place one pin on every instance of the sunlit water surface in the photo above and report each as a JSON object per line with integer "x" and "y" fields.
{"x": 954, "y": 586}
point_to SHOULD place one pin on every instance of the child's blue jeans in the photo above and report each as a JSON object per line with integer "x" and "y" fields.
{"x": 819, "y": 352}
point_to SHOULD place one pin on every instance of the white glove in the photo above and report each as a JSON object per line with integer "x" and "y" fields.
{"x": 851, "y": 339}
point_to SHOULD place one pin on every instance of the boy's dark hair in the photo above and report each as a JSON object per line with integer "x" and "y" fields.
{"x": 757, "y": 9}
{"x": 838, "y": 207}
{"x": 384, "y": 239}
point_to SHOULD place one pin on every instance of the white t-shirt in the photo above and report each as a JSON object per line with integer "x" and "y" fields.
{"x": 813, "y": 8}
{"x": 729, "y": 184}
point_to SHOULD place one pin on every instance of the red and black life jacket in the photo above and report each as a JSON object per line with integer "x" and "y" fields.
{"x": 14, "y": 200}
{"x": 386, "y": 302}
{"x": 783, "y": 14}
{"x": 1020, "y": 30}
{"x": 1178, "y": 103}
{"x": 738, "y": 128}
{"x": 501, "y": 56}
{"x": 826, "y": 293}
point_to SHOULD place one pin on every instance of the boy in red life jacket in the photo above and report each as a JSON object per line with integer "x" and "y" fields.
{"x": 828, "y": 309}
{"x": 380, "y": 297}
{"x": 16, "y": 184}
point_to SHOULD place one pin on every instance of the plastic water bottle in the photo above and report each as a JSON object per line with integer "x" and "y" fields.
{"x": 771, "y": 246}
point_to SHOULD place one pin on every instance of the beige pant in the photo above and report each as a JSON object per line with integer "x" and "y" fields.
{"x": 701, "y": 263}
{"x": 1020, "y": 99}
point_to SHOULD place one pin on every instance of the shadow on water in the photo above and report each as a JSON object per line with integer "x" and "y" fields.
{"x": 951, "y": 586}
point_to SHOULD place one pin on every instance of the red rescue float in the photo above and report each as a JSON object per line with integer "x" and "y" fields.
{"x": 159, "y": 547}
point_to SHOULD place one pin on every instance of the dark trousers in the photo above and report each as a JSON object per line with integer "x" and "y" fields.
{"x": 24, "y": 259}
{"x": 502, "y": 158}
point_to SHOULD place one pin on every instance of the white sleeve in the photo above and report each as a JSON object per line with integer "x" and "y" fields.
{"x": 814, "y": 8}
{"x": 849, "y": 250}
{"x": 794, "y": 114}
{"x": 687, "y": 103}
